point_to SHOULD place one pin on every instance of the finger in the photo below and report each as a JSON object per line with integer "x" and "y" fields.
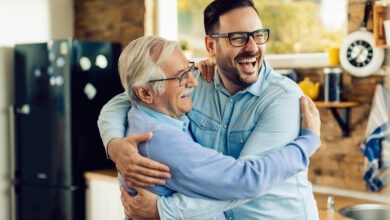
{"x": 139, "y": 138}
{"x": 139, "y": 180}
{"x": 159, "y": 168}
{"x": 209, "y": 76}
{"x": 138, "y": 189}
{"x": 304, "y": 105}
{"x": 147, "y": 171}
{"x": 311, "y": 104}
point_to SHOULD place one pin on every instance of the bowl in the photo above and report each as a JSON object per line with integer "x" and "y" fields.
{"x": 367, "y": 212}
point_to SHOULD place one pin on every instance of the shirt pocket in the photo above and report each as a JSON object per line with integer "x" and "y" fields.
{"x": 204, "y": 129}
{"x": 237, "y": 140}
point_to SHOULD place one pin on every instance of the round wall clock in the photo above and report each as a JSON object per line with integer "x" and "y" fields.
{"x": 358, "y": 54}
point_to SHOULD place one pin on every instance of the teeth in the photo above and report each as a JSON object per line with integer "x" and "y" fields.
{"x": 247, "y": 60}
{"x": 186, "y": 92}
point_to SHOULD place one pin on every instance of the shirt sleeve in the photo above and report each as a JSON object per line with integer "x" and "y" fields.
{"x": 180, "y": 206}
{"x": 202, "y": 172}
{"x": 112, "y": 119}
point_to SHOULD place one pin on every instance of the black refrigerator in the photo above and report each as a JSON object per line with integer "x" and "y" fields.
{"x": 60, "y": 88}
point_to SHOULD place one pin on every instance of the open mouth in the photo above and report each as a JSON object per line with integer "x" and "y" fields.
{"x": 247, "y": 64}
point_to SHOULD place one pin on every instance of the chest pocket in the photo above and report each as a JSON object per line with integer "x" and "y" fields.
{"x": 204, "y": 129}
{"x": 237, "y": 140}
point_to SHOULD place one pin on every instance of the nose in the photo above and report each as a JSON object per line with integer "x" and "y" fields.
{"x": 191, "y": 81}
{"x": 251, "y": 45}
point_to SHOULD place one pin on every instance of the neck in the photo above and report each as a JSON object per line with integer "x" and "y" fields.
{"x": 158, "y": 109}
{"x": 230, "y": 86}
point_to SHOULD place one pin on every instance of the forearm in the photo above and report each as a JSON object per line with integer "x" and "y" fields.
{"x": 180, "y": 206}
{"x": 204, "y": 173}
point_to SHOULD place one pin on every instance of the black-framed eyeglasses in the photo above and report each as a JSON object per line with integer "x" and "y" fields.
{"x": 182, "y": 76}
{"x": 239, "y": 39}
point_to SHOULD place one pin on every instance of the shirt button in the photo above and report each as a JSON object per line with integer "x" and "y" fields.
{"x": 202, "y": 124}
{"x": 230, "y": 218}
{"x": 225, "y": 126}
{"x": 230, "y": 99}
{"x": 241, "y": 141}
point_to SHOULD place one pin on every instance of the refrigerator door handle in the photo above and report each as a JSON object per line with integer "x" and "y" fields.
{"x": 25, "y": 109}
{"x": 12, "y": 160}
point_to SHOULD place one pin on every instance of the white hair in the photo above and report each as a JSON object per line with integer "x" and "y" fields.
{"x": 140, "y": 62}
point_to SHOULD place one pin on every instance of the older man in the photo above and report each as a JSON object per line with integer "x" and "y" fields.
{"x": 159, "y": 81}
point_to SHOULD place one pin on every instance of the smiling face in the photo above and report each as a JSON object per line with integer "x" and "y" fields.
{"x": 175, "y": 101}
{"x": 238, "y": 67}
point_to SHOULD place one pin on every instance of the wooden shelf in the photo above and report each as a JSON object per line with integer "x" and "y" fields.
{"x": 344, "y": 107}
{"x": 336, "y": 104}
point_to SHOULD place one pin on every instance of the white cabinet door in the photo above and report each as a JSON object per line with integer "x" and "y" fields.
{"x": 103, "y": 200}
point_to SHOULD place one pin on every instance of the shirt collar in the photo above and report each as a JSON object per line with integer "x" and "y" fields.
{"x": 181, "y": 123}
{"x": 256, "y": 87}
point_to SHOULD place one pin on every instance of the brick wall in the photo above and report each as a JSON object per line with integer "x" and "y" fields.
{"x": 339, "y": 163}
{"x": 109, "y": 20}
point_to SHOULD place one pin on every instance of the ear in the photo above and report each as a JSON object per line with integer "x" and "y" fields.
{"x": 144, "y": 93}
{"x": 210, "y": 46}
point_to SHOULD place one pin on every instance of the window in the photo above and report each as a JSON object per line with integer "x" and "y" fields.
{"x": 301, "y": 30}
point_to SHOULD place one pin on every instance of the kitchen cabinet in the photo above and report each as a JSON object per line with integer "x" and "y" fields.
{"x": 103, "y": 196}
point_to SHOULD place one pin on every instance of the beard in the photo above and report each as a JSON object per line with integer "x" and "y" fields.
{"x": 232, "y": 73}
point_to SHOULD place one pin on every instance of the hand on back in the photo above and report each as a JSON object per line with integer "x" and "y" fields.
{"x": 136, "y": 169}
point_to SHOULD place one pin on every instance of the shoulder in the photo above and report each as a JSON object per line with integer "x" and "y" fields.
{"x": 275, "y": 82}
{"x": 277, "y": 89}
{"x": 139, "y": 122}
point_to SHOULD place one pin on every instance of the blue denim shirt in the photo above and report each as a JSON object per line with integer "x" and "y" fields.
{"x": 200, "y": 172}
{"x": 251, "y": 123}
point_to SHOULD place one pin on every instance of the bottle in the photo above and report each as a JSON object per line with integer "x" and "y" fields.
{"x": 333, "y": 84}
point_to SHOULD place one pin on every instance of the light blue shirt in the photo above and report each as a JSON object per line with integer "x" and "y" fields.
{"x": 253, "y": 122}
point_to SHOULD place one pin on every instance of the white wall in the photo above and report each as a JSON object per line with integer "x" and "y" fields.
{"x": 6, "y": 98}
{"x": 167, "y": 19}
{"x": 24, "y": 21}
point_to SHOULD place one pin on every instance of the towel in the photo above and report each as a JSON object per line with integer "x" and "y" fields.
{"x": 376, "y": 145}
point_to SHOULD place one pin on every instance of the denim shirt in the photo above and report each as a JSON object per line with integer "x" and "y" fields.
{"x": 253, "y": 122}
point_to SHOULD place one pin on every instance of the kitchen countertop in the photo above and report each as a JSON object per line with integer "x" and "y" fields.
{"x": 339, "y": 202}
{"x": 321, "y": 198}
{"x": 106, "y": 175}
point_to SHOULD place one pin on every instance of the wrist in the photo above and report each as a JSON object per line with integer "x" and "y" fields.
{"x": 111, "y": 149}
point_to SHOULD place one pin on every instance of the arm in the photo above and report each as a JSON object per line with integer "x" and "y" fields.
{"x": 202, "y": 172}
{"x": 135, "y": 169}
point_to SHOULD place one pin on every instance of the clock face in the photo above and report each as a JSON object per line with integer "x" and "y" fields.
{"x": 359, "y": 53}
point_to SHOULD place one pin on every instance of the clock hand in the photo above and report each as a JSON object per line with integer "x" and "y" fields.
{"x": 358, "y": 54}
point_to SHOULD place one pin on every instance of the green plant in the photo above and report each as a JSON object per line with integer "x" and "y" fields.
{"x": 184, "y": 45}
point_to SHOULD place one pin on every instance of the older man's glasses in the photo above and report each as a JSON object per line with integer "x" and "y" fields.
{"x": 239, "y": 39}
{"x": 181, "y": 77}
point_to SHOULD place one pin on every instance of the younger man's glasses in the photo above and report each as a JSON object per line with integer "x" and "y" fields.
{"x": 182, "y": 76}
{"x": 239, "y": 39}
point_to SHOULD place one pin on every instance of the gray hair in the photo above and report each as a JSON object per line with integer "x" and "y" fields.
{"x": 140, "y": 62}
